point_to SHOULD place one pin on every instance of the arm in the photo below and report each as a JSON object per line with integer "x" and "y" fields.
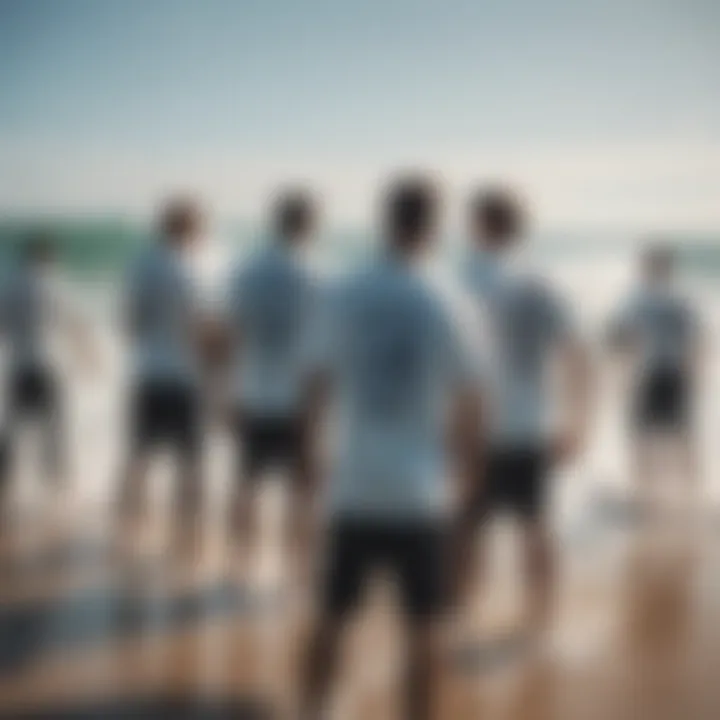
{"x": 467, "y": 440}
{"x": 577, "y": 380}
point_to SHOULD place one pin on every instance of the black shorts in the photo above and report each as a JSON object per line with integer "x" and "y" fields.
{"x": 32, "y": 391}
{"x": 663, "y": 401}
{"x": 416, "y": 554}
{"x": 267, "y": 441}
{"x": 513, "y": 479}
{"x": 166, "y": 413}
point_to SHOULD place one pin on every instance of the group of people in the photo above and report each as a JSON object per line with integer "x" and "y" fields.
{"x": 403, "y": 413}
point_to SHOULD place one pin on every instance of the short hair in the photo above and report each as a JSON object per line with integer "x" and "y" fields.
{"x": 412, "y": 206}
{"x": 658, "y": 252}
{"x": 180, "y": 216}
{"x": 294, "y": 212}
{"x": 498, "y": 212}
{"x": 38, "y": 246}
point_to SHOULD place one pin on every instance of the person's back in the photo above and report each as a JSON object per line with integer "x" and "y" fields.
{"x": 397, "y": 369}
{"x": 271, "y": 311}
{"x": 162, "y": 310}
{"x": 663, "y": 326}
{"x": 26, "y": 320}
{"x": 34, "y": 307}
{"x": 393, "y": 360}
{"x": 530, "y": 328}
{"x": 526, "y": 319}
{"x": 163, "y": 323}
{"x": 273, "y": 300}
{"x": 36, "y": 312}
{"x": 661, "y": 330}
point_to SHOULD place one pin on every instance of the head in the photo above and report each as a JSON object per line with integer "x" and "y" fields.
{"x": 294, "y": 217}
{"x": 181, "y": 222}
{"x": 38, "y": 250}
{"x": 497, "y": 219}
{"x": 411, "y": 214}
{"x": 658, "y": 264}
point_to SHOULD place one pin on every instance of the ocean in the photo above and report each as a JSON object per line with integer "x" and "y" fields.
{"x": 101, "y": 246}
{"x": 593, "y": 270}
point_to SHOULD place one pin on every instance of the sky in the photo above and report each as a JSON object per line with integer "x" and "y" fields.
{"x": 603, "y": 112}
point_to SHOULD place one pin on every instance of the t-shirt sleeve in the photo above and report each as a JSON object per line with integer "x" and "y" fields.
{"x": 466, "y": 341}
{"x": 560, "y": 321}
{"x": 624, "y": 323}
{"x": 696, "y": 331}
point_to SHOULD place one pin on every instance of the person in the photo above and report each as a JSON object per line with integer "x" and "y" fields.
{"x": 660, "y": 330}
{"x": 34, "y": 308}
{"x": 398, "y": 367}
{"x": 164, "y": 320}
{"x": 272, "y": 304}
{"x": 532, "y": 331}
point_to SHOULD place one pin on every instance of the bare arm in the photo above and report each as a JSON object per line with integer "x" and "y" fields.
{"x": 577, "y": 384}
{"x": 467, "y": 440}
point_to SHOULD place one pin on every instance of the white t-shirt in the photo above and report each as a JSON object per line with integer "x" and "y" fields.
{"x": 272, "y": 303}
{"x": 663, "y": 325}
{"x": 395, "y": 357}
{"x": 34, "y": 308}
{"x": 162, "y": 306}
{"x": 527, "y": 320}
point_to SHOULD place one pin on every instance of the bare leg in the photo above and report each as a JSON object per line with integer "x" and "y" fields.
{"x": 689, "y": 474}
{"x": 301, "y": 527}
{"x": 642, "y": 473}
{"x": 7, "y": 453}
{"x": 189, "y": 503}
{"x": 55, "y": 447}
{"x": 244, "y": 511}
{"x": 133, "y": 481}
{"x": 540, "y": 573}
{"x": 689, "y": 462}
{"x": 468, "y": 561}
{"x": 422, "y": 670}
{"x": 320, "y": 668}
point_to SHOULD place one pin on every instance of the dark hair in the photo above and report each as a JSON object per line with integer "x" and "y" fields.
{"x": 294, "y": 213}
{"x": 180, "y": 216}
{"x": 659, "y": 255}
{"x": 38, "y": 247}
{"x": 497, "y": 213}
{"x": 412, "y": 206}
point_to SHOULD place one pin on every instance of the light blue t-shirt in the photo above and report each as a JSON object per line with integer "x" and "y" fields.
{"x": 162, "y": 305}
{"x": 662, "y": 325}
{"x": 527, "y": 320}
{"x": 395, "y": 357}
{"x": 272, "y": 304}
{"x": 34, "y": 307}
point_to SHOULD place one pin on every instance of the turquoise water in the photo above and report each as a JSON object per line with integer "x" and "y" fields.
{"x": 102, "y": 246}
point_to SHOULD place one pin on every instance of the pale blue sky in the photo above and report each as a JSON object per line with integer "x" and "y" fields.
{"x": 586, "y": 103}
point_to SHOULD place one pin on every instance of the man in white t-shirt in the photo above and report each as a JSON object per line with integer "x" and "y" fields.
{"x": 34, "y": 309}
{"x": 163, "y": 318}
{"x": 398, "y": 370}
{"x": 272, "y": 305}
{"x": 532, "y": 330}
{"x": 660, "y": 329}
